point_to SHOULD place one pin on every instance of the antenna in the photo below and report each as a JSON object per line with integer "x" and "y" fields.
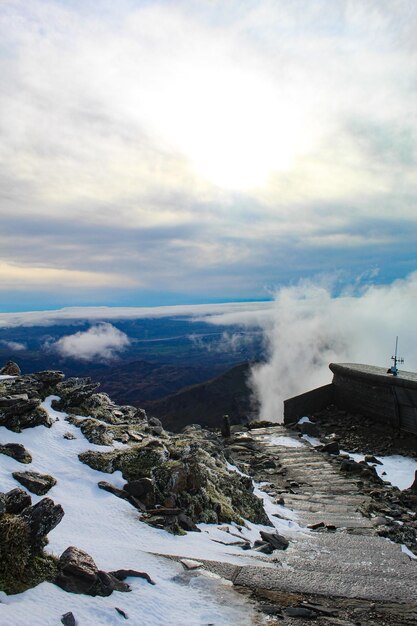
{"x": 393, "y": 369}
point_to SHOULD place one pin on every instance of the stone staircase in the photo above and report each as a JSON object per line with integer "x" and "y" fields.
{"x": 346, "y": 563}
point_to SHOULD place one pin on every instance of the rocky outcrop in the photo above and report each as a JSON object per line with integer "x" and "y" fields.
{"x": 21, "y": 398}
{"x": 23, "y": 531}
{"x": 181, "y": 481}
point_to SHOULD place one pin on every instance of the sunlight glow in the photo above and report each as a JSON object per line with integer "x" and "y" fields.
{"x": 234, "y": 126}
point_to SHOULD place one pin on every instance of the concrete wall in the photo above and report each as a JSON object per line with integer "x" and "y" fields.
{"x": 367, "y": 398}
{"x": 362, "y": 389}
{"x": 308, "y": 403}
{"x": 371, "y": 392}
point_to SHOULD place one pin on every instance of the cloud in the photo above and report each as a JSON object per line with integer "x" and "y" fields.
{"x": 15, "y": 277}
{"x": 101, "y": 342}
{"x": 204, "y": 149}
{"x": 15, "y": 346}
{"x": 244, "y": 312}
{"x": 226, "y": 342}
{"x": 311, "y": 328}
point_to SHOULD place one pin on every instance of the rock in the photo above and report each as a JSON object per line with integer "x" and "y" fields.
{"x": 49, "y": 377}
{"x": 370, "y": 458}
{"x": 36, "y": 483}
{"x": 156, "y": 425}
{"x": 278, "y": 542}
{"x": 68, "y": 435}
{"x": 121, "y": 612}
{"x": 190, "y": 564}
{"x": 331, "y": 448}
{"x": 262, "y": 546}
{"x": 78, "y": 573}
{"x": 68, "y": 619}
{"x": 413, "y": 487}
{"x": 10, "y": 369}
{"x": 42, "y": 518}
{"x": 299, "y": 612}
{"x": 23, "y": 529}
{"x": 20, "y": 413}
{"x": 122, "y": 574}
{"x": 308, "y": 428}
{"x": 17, "y": 451}
{"x": 16, "y": 501}
{"x": 316, "y": 526}
{"x": 379, "y": 520}
{"x": 143, "y": 489}
{"x": 186, "y": 523}
{"x": 120, "y": 493}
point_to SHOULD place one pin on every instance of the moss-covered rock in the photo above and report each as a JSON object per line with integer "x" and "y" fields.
{"x": 189, "y": 472}
{"x": 21, "y": 565}
{"x": 135, "y": 462}
{"x": 103, "y": 434}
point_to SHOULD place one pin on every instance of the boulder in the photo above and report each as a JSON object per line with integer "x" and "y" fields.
{"x": 15, "y": 501}
{"x": 41, "y": 518}
{"x": 331, "y": 448}
{"x": 36, "y": 483}
{"x": 78, "y": 573}
{"x": 308, "y": 428}
{"x": 10, "y": 369}
{"x": 278, "y": 542}
{"x": 17, "y": 451}
{"x": 23, "y": 529}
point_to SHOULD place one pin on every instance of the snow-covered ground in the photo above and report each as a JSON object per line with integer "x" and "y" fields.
{"x": 396, "y": 469}
{"x": 110, "y": 530}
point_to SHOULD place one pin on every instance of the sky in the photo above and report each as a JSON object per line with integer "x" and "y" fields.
{"x": 173, "y": 152}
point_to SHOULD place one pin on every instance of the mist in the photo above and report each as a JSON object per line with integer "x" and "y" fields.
{"x": 311, "y": 327}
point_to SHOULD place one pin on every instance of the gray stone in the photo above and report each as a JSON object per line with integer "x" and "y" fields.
{"x": 42, "y": 518}
{"x": 36, "y": 483}
{"x": 17, "y": 451}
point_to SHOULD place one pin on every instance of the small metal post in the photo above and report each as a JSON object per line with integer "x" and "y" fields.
{"x": 393, "y": 369}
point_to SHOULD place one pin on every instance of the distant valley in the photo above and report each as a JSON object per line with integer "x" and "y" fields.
{"x": 180, "y": 370}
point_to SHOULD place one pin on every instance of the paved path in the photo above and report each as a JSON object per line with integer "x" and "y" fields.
{"x": 352, "y": 562}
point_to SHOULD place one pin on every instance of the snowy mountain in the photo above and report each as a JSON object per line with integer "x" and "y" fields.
{"x": 123, "y": 533}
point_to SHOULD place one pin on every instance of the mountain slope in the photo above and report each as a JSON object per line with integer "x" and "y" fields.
{"x": 207, "y": 402}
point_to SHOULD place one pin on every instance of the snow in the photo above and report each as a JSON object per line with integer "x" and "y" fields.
{"x": 314, "y": 441}
{"x": 408, "y": 552}
{"x": 110, "y": 530}
{"x": 304, "y": 420}
{"x": 399, "y": 470}
{"x": 286, "y": 442}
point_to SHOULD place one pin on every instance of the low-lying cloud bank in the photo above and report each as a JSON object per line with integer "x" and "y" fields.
{"x": 311, "y": 328}
{"x": 304, "y": 329}
{"x": 100, "y": 342}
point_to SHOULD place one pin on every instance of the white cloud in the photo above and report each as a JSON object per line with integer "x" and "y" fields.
{"x": 311, "y": 328}
{"x": 15, "y": 277}
{"x": 100, "y": 342}
{"x": 249, "y": 313}
{"x": 314, "y": 99}
{"x": 15, "y": 346}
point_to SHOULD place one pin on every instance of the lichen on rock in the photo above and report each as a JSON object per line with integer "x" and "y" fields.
{"x": 23, "y": 530}
{"x": 189, "y": 474}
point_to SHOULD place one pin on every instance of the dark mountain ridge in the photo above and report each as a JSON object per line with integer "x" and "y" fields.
{"x": 206, "y": 403}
